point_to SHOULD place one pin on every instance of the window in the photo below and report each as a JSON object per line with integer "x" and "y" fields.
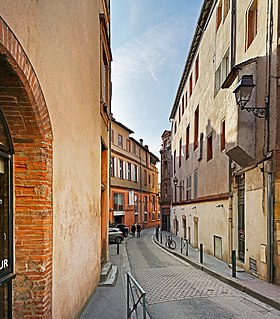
{"x": 129, "y": 171}
{"x": 153, "y": 180}
{"x": 136, "y": 173}
{"x": 222, "y": 72}
{"x": 134, "y": 148}
{"x": 175, "y": 127}
{"x": 179, "y": 113}
{"x": 195, "y": 184}
{"x": 165, "y": 171}
{"x": 191, "y": 85}
{"x": 131, "y": 197}
{"x": 120, "y": 169}
{"x": 252, "y": 23}
{"x": 145, "y": 218}
{"x": 149, "y": 179}
{"x": 145, "y": 177}
{"x": 219, "y": 15}
{"x": 128, "y": 145}
{"x": 180, "y": 152}
{"x": 196, "y": 127}
{"x": 112, "y": 167}
{"x": 120, "y": 140}
{"x": 186, "y": 97}
{"x": 136, "y": 203}
{"x": 183, "y": 104}
{"x": 189, "y": 188}
{"x": 223, "y": 135}
{"x": 196, "y": 68}
{"x": 145, "y": 203}
{"x": 118, "y": 202}
{"x": 112, "y": 136}
{"x": 153, "y": 204}
{"x": 174, "y": 161}
{"x": 187, "y": 141}
{"x": 209, "y": 147}
{"x": 105, "y": 78}
{"x": 199, "y": 158}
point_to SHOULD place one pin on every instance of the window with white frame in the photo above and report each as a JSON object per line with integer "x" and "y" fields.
{"x": 195, "y": 181}
{"x": 128, "y": 171}
{"x": 121, "y": 175}
{"x": 131, "y": 197}
{"x": 189, "y": 188}
{"x": 118, "y": 202}
{"x": 222, "y": 72}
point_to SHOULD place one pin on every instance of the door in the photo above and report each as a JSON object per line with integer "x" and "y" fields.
{"x": 184, "y": 227}
{"x": 6, "y": 238}
{"x": 241, "y": 217}
{"x": 195, "y": 234}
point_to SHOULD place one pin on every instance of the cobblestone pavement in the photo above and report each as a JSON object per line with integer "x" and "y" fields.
{"x": 175, "y": 289}
{"x": 177, "y": 283}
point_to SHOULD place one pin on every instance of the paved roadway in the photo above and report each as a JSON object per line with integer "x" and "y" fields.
{"x": 178, "y": 290}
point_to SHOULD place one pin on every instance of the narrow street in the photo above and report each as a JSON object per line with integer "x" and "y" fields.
{"x": 176, "y": 289}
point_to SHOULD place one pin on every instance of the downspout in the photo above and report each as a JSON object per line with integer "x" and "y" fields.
{"x": 230, "y": 195}
{"x": 270, "y": 214}
{"x": 270, "y": 226}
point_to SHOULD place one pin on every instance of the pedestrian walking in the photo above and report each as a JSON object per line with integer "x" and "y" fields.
{"x": 138, "y": 229}
{"x": 157, "y": 232}
{"x": 133, "y": 229}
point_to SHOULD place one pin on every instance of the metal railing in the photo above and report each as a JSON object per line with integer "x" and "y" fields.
{"x": 136, "y": 299}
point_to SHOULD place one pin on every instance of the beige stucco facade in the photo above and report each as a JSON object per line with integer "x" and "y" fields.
{"x": 63, "y": 41}
{"x": 226, "y": 144}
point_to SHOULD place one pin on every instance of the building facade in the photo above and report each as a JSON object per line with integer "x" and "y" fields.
{"x": 134, "y": 180}
{"x": 225, "y": 156}
{"x": 54, "y": 155}
{"x": 165, "y": 186}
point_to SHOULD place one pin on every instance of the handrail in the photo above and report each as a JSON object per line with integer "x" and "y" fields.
{"x": 140, "y": 300}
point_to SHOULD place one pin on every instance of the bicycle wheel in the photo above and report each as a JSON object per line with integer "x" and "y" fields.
{"x": 172, "y": 244}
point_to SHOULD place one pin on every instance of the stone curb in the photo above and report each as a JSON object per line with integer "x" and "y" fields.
{"x": 231, "y": 282}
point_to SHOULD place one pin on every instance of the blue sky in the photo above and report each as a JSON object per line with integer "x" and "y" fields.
{"x": 150, "y": 43}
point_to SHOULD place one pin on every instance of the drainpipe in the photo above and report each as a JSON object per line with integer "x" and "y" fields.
{"x": 141, "y": 221}
{"x": 270, "y": 226}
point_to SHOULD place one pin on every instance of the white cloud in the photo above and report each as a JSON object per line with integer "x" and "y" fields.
{"x": 143, "y": 56}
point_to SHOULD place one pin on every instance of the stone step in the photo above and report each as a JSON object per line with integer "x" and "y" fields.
{"x": 105, "y": 270}
{"x": 111, "y": 278}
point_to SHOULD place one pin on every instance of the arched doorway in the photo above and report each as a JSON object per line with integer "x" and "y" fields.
{"x": 28, "y": 123}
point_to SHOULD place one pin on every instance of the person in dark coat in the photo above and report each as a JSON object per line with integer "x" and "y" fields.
{"x": 138, "y": 229}
{"x": 133, "y": 229}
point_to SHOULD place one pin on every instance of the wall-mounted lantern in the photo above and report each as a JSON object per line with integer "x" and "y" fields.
{"x": 243, "y": 93}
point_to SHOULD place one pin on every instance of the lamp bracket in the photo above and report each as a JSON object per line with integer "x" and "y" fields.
{"x": 260, "y": 112}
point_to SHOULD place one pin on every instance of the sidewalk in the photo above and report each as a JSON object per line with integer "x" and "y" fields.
{"x": 261, "y": 290}
{"x": 110, "y": 302}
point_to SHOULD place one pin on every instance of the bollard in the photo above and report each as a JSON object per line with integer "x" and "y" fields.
{"x": 187, "y": 247}
{"x": 161, "y": 238}
{"x": 233, "y": 258}
{"x": 201, "y": 253}
{"x": 118, "y": 248}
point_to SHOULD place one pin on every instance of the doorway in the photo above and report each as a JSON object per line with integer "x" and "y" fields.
{"x": 6, "y": 222}
{"x": 241, "y": 217}
{"x": 195, "y": 230}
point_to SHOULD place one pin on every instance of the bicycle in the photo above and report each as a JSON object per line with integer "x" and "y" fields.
{"x": 171, "y": 243}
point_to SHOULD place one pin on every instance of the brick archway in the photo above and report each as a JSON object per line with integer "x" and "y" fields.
{"x": 24, "y": 107}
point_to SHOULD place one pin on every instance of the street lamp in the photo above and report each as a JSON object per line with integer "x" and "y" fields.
{"x": 180, "y": 186}
{"x": 243, "y": 93}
